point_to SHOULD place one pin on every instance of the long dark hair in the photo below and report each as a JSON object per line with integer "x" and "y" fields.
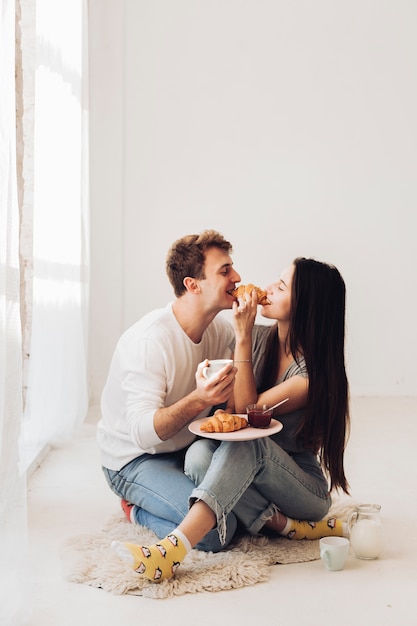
{"x": 317, "y": 330}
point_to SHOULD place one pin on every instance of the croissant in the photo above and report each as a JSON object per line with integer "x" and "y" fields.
{"x": 222, "y": 422}
{"x": 242, "y": 289}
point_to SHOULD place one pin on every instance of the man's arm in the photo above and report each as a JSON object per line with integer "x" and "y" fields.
{"x": 209, "y": 392}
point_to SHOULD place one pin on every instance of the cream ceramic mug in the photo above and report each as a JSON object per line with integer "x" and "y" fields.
{"x": 214, "y": 366}
{"x": 333, "y": 551}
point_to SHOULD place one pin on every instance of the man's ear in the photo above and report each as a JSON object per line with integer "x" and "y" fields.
{"x": 191, "y": 284}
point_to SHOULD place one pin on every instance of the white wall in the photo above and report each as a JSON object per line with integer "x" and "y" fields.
{"x": 288, "y": 126}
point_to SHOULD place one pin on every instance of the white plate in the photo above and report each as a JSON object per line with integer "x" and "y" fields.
{"x": 244, "y": 434}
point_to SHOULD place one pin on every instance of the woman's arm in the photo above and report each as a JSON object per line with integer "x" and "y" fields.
{"x": 295, "y": 388}
{"x": 244, "y": 313}
{"x": 245, "y": 392}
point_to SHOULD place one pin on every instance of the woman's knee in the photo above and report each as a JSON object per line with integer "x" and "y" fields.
{"x": 198, "y": 458}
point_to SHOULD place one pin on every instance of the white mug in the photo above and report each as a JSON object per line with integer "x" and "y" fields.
{"x": 333, "y": 551}
{"x": 215, "y": 366}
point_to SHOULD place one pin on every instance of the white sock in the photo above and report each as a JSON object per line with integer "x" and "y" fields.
{"x": 287, "y": 527}
{"x": 180, "y": 535}
{"x": 122, "y": 552}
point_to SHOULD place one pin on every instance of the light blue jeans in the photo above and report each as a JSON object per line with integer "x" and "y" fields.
{"x": 160, "y": 489}
{"x": 253, "y": 479}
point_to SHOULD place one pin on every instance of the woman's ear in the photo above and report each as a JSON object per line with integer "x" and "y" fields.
{"x": 191, "y": 284}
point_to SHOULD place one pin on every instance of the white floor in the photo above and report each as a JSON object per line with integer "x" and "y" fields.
{"x": 68, "y": 496}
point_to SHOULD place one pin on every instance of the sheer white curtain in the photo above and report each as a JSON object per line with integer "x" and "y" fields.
{"x": 13, "y": 548}
{"x": 57, "y": 396}
{"x": 56, "y": 319}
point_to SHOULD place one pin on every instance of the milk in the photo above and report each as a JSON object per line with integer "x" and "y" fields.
{"x": 366, "y": 539}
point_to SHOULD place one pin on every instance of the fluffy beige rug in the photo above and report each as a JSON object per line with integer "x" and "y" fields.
{"x": 89, "y": 560}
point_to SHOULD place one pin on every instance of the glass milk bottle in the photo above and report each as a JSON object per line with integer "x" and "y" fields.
{"x": 365, "y": 530}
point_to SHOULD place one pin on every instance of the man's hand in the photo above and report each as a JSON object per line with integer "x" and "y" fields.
{"x": 218, "y": 388}
{"x": 209, "y": 392}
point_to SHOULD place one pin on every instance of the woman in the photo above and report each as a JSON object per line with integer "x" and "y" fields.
{"x": 272, "y": 482}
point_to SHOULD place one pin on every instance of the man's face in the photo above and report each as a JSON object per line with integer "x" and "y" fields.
{"x": 220, "y": 279}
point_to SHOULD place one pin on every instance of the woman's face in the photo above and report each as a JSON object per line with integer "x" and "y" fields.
{"x": 279, "y": 295}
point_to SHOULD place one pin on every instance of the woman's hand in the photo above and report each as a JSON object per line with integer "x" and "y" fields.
{"x": 244, "y": 313}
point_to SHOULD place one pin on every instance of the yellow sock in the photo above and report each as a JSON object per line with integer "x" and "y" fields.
{"x": 330, "y": 526}
{"x": 157, "y": 562}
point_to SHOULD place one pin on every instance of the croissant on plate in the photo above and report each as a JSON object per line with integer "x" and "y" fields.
{"x": 242, "y": 289}
{"x": 222, "y": 422}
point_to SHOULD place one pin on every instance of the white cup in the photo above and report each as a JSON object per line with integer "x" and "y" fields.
{"x": 215, "y": 366}
{"x": 333, "y": 551}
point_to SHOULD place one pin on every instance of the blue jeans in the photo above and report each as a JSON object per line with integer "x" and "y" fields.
{"x": 159, "y": 488}
{"x": 254, "y": 479}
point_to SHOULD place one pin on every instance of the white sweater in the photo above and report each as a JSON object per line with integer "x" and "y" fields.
{"x": 153, "y": 366}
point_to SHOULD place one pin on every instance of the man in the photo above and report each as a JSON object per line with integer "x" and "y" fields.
{"x": 156, "y": 387}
